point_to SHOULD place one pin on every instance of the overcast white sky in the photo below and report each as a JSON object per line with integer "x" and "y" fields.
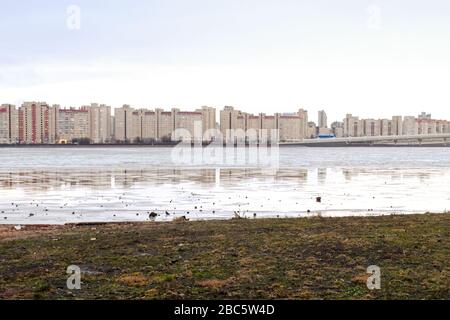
{"x": 370, "y": 58}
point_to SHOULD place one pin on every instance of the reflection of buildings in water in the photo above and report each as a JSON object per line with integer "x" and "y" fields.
{"x": 45, "y": 180}
{"x": 348, "y": 174}
{"x": 229, "y": 177}
{"x": 35, "y": 180}
{"x": 389, "y": 175}
{"x": 321, "y": 175}
{"x": 297, "y": 175}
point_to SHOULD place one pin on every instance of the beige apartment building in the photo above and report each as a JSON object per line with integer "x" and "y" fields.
{"x": 410, "y": 126}
{"x": 371, "y": 128}
{"x": 187, "y": 121}
{"x": 73, "y": 124}
{"x": 99, "y": 123}
{"x": 237, "y": 126}
{"x": 9, "y": 125}
{"x": 37, "y": 123}
{"x": 337, "y": 128}
{"x": 133, "y": 125}
{"x": 323, "y": 119}
{"x": 209, "y": 123}
{"x": 397, "y": 126}
{"x": 123, "y": 124}
{"x": 353, "y": 127}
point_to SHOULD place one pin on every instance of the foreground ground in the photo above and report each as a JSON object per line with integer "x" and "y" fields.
{"x": 283, "y": 259}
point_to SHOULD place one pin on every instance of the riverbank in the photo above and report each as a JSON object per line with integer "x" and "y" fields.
{"x": 310, "y": 258}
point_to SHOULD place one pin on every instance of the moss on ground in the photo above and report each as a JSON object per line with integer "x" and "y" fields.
{"x": 313, "y": 258}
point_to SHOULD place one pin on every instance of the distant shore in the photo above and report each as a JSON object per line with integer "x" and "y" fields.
{"x": 308, "y": 258}
{"x": 170, "y": 145}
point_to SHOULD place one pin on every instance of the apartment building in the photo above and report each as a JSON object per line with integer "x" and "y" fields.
{"x": 236, "y": 125}
{"x": 123, "y": 124}
{"x": 73, "y": 124}
{"x": 99, "y": 123}
{"x": 37, "y": 123}
{"x": 398, "y": 125}
{"x": 371, "y": 128}
{"x": 323, "y": 120}
{"x": 189, "y": 125}
{"x": 133, "y": 125}
{"x": 352, "y": 126}
{"x": 9, "y": 126}
{"x": 337, "y": 128}
{"x": 410, "y": 126}
{"x": 209, "y": 122}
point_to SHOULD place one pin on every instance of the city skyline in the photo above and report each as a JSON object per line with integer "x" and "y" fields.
{"x": 41, "y": 123}
{"x": 362, "y": 57}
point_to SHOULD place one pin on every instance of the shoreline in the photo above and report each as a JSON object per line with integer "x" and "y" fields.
{"x": 331, "y": 214}
{"x": 37, "y": 228}
{"x": 313, "y": 258}
{"x": 281, "y": 145}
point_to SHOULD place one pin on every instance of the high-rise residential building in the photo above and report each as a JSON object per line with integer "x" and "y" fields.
{"x": 9, "y": 125}
{"x": 73, "y": 124}
{"x": 304, "y": 127}
{"x": 190, "y": 123}
{"x": 337, "y": 128}
{"x": 37, "y": 123}
{"x": 123, "y": 124}
{"x": 352, "y": 126}
{"x": 165, "y": 124}
{"x": 397, "y": 125}
{"x": 209, "y": 122}
{"x": 312, "y": 130}
{"x": 100, "y": 123}
{"x": 238, "y": 126}
{"x": 442, "y": 126}
{"x": 233, "y": 124}
{"x": 371, "y": 128}
{"x": 145, "y": 124}
{"x": 323, "y": 120}
{"x": 410, "y": 126}
{"x": 386, "y": 127}
{"x": 133, "y": 125}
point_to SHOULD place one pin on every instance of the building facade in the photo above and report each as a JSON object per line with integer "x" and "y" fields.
{"x": 143, "y": 125}
{"x": 238, "y": 126}
{"x": 9, "y": 125}
{"x": 99, "y": 123}
{"x": 37, "y": 123}
{"x": 397, "y": 126}
{"x": 73, "y": 125}
{"x": 323, "y": 120}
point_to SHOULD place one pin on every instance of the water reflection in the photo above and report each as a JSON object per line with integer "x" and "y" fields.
{"x": 40, "y": 180}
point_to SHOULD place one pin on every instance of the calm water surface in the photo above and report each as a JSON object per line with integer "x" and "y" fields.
{"x": 60, "y": 185}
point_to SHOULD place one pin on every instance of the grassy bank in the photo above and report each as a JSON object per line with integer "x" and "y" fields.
{"x": 281, "y": 259}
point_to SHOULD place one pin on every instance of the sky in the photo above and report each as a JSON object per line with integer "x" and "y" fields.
{"x": 374, "y": 59}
